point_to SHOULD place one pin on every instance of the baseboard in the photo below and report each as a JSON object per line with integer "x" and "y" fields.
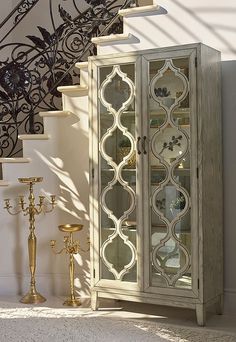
{"x": 56, "y": 284}
{"x": 230, "y": 301}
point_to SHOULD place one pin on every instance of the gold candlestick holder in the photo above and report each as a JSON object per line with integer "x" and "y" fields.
{"x": 32, "y": 297}
{"x": 71, "y": 247}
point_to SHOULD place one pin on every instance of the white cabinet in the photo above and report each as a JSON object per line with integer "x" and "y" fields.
{"x": 156, "y": 177}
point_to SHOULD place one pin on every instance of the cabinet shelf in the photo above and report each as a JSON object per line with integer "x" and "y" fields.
{"x": 181, "y": 126}
{"x": 176, "y": 111}
{"x": 128, "y": 114}
{"x": 153, "y": 168}
{"x": 153, "y": 112}
{"x": 130, "y": 229}
{"x": 111, "y": 170}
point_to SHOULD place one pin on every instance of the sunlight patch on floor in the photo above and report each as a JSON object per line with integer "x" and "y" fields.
{"x": 47, "y": 312}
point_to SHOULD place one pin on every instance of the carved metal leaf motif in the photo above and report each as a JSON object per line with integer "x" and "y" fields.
{"x": 37, "y": 42}
{"x": 3, "y": 95}
{"x": 96, "y": 2}
{"x": 66, "y": 17}
{"x": 45, "y": 34}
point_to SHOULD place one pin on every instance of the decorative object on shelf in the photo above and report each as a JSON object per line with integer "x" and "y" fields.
{"x": 168, "y": 101}
{"x": 32, "y": 297}
{"x": 162, "y": 92}
{"x": 130, "y": 224}
{"x": 175, "y": 141}
{"x": 125, "y": 142}
{"x": 154, "y": 123}
{"x": 71, "y": 247}
{"x": 123, "y": 151}
{"x": 178, "y": 203}
{"x": 170, "y": 143}
{"x": 185, "y": 102}
{"x": 161, "y": 204}
{"x": 157, "y": 177}
{"x": 158, "y": 121}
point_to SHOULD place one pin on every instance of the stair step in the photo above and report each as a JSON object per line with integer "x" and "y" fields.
{"x": 115, "y": 38}
{"x": 142, "y": 10}
{"x": 14, "y": 160}
{"x": 55, "y": 113}
{"x": 33, "y": 136}
{"x": 81, "y": 65}
{"x": 73, "y": 90}
{"x": 4, "y": 183}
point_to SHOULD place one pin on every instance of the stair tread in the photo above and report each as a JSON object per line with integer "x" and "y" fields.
{"x": 142, "y": 10}
{"x": 72, "y": 87}
{"x": 73, "y": 90}
{"x": 113, "y": 38}
{"x": 15, "y": 160}
{"x": 34, "y": 136}
{"x": 81, "y": 65}
{"x": 55, "y": 113}
{"x": 4, "y": 182}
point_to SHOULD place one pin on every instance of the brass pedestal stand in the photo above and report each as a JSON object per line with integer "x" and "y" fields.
{"x": 71, "y": 247}
{"x": 32, "y": 297}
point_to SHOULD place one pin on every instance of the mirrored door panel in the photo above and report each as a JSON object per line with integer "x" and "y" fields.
{"x": 118, "y": 175}
{"x": 169, "y": 173}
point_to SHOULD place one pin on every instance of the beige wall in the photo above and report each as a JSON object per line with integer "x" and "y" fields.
{"x": 5, "y": 9}
{"x": 209, "y": 21}
{"x": 188, "y": 21}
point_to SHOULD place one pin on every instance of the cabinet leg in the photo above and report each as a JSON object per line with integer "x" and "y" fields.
{"x": 201, "y": 314}
{"x": 220, "y": 305}
{"x": 94, "y": 300}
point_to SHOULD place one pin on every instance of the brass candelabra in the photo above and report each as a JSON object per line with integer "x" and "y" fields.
{"x": 71, "y": 247}
{"x": 32, "y": 297}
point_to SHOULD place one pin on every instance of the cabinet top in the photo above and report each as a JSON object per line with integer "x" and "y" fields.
{"x": 195, "y": 46}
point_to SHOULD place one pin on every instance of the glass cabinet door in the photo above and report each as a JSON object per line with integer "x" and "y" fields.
{"x": 117, "y": 172}
{"x": 169, "y": 108}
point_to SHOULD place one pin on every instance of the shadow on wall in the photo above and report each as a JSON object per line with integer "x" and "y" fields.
{"x": 210, "y": 18}
{"x": 17, "y": 233}
{"x": 71, "y": 170}
{"x": 187, "y": 22}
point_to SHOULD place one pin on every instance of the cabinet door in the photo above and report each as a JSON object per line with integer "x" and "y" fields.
{"x": 116, "y": 213}
{"x": 171, "y": 249}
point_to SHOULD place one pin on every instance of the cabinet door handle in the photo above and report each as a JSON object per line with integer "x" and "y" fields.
{"x": 138, "y": 147}
{"x": 144, "y": 145}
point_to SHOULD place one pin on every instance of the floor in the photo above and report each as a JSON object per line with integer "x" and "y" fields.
{"x": 168, "y": 315}
{"x": 136, "y": 311}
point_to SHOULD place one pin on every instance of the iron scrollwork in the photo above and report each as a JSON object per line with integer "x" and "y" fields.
{"x": 29, "y": 77}
{"x": 23, "y": 9}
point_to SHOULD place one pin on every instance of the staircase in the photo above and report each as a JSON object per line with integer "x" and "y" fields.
{"x": 61, "y": 157}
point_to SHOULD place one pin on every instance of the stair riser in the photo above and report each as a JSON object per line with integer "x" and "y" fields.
{"x": 84, "y": 77}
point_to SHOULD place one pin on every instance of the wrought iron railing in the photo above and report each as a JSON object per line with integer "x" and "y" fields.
{"x": 16, "y": 15}
{"x": 29, "y": 76}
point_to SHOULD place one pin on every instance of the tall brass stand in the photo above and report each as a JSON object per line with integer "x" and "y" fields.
{"x": 32, "y": 297}
{"x": 71, "y": 247}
